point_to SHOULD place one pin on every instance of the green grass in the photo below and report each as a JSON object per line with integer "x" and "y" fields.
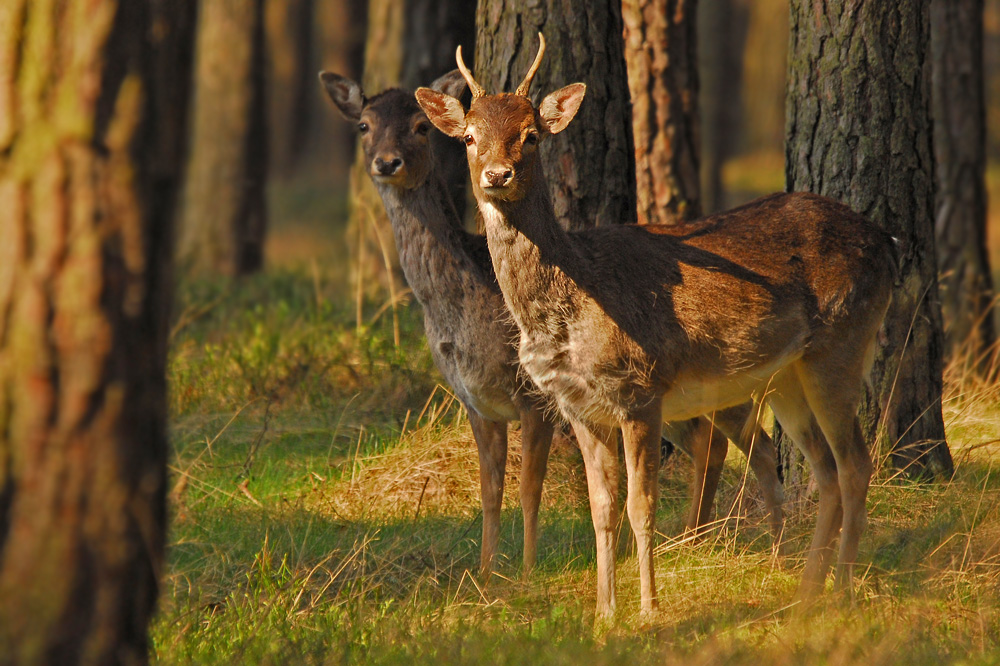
{"x": 324, "y": 503}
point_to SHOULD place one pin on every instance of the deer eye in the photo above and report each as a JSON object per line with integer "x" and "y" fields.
{"x": 363, "y": 127}
{"x": 531, "y": 139}
{"x": 422, "y": 129}
{"x": 469, "y": 140}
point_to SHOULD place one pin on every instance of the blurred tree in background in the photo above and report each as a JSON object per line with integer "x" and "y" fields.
{"x": 224, "y": 212}
{"x": 859, "y": 130}
{"x": 960, "y": 157}
{"x": 661, "y": 56}
{"x": 591, "y": 169}
{"x": 91, "y": 147}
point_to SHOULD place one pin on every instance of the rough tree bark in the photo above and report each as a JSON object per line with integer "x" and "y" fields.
{"x": 224, "y": 206}
{"x": 590, "y": 167}
{"x": 410, "y": 43}
{"x": 960, "y": 154}
{"x": 859, "y": 130}
{"x": 722, "y": 33}
{"x": 91, "y": 137}
{"x": 661, "y": 53}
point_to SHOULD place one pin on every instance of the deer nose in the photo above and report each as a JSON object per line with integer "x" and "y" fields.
{"x": 497, "y": 177}
{"x": 387, "y": 168}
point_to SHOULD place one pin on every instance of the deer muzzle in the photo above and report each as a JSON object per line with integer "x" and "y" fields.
{"x": 496, "y": 177}
{"x": 386, "y": 167}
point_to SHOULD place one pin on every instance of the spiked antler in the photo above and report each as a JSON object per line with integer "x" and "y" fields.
{"x": 526, "y": 84}
{"x": 475, "y": 88}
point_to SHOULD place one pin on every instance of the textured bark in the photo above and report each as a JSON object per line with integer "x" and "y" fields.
{"x": 960, "y": 154}
{"x": 410, "y": 43}
{"x": 590, "y": 166}
{"x": 859, "y": 130}
{"x": 90, "y": 152}
{"x": 722, "y": 33}
{"x": 225, "y": 208}
{"x": 661, "y": 53}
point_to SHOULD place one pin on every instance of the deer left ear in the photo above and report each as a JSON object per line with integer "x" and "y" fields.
{"x": 452, "y": 83}
{"x": 345, "y": 93}
{"x": 443, "y": 110}
{"x": 560, "y": 107}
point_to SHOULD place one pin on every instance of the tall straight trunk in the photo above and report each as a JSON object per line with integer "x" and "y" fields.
{"x": 960, "y": 154}
{"x": 722, "y": 33}
{"x": 225, "y": 209}
{"x": 291, "y": 69}
{"x": 91, "y": 133}
{"x": 661, "y": 53}
{"x": 409, "y": 44}
{"x": 858, "y": 129}
{"x": 591, "y": 169}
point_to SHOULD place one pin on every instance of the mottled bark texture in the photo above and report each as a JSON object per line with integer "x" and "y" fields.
{"x": 224, "y": 207}
{"x": 661, "y": 54}
{"x": 722, "y": 33}
{"x": 591, "y": 165}
{"x": 92, "y": 106}
{"x": 410, "y": 43}
{"x": 858, "y": 129}
{"x": 960, "y": 154}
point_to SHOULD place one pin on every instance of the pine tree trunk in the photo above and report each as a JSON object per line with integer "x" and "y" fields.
{"x": 960, "y": 154}
{"x": 591, "y": 166}
{"x": 722, "y": 33}
{"x": 224, "y": 209}
{"x": 660, "y": 50}
{"x": 858, "y": 129}
{"x": 291, "y": 69}
{"x": 88, "y": 186}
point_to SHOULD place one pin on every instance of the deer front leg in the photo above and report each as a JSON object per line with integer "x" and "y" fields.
{"x": 707, "y": 448}
{"x": 491, "y": 441}
{"x": 641, "y": 438}
{"x": 536, "y": 440}
{"x": 600, "y": 458}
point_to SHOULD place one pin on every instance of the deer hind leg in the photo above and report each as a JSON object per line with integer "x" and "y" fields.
{"x": 834, "y": 394}
{"x": 757, "y": 446}
{"x": 536, "y": 440}
{"x": 641, "y": 438}
{"x": 707, "y": 448}
{"x": 793, "y": 412}
{"x": 491, "y": 440}
{"x": 599, "y": 447}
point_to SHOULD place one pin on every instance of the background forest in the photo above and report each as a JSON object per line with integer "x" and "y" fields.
{"x": 296, "y": 484}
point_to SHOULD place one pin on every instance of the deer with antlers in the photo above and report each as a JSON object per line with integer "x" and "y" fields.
{"x": 626, "y": 326}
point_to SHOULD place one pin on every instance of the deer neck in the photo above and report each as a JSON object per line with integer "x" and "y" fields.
{"x": 434, "y": 249}
{"x": 529, "y": 251}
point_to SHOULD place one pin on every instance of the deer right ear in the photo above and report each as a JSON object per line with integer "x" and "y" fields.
{"x": 452, "y": 83}
{"x": 443, "y": 110}
{"x": 558, "y": 108}
{"x": 345, "y": 93}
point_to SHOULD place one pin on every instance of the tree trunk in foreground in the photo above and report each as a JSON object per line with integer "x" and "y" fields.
{"x": 960, "y": 153}
{"x": 225, "y": 210}
{"x": 858, "y": 129}
{"x": 661, "y": 52}
{"x": 88, "y": 187}
{"x": 591, "y": 165}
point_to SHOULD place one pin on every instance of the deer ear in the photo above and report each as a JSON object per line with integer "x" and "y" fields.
{"x": 452, "y": 83}
{"x": 558, "y": 108}
{"x": 443, "y": 110}
{"x": 345, "y": 93}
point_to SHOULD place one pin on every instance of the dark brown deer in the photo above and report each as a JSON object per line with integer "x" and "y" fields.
{"x": 471, "y": 338}
{"x": 625, "y": 326}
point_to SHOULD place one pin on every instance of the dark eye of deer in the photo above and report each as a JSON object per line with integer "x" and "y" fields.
{"x": 469, "y": 140}
{"x": 422, "y": 129}
{"x": 531, "y": 139}
{"x": 362, "y": 127}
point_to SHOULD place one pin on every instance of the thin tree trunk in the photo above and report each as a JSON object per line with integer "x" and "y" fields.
{"x": 292, "y": 71}
{"x": 88, "y": 186}
{"x": 960, "y": 154}
{"x": 858, "y": 129}
{"x": 661, "y": 53}
{"x": 591, "y": 167}
{"x": 225, "y": 208}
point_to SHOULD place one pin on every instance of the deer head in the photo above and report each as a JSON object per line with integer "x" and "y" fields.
{"x": 502, "y": 132}
{"x": 394, "y": 130}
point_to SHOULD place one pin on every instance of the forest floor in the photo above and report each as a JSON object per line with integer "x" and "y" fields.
{"x": 324, "y": 505}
